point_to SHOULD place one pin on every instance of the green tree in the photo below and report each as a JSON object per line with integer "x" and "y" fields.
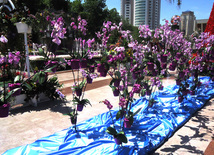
{"x": 77, "y": 8}
{"x": 113, "y": 16}
{"x": 95, "y": 14}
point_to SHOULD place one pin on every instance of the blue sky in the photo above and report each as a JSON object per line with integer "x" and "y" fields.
{"x": 201, "y": 8}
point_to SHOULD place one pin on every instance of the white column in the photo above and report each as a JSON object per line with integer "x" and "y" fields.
{"x": 27, "y": 55}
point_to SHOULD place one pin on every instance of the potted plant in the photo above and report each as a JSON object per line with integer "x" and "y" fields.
{"x": 119, "y": 137}
{"x": 129, "y": 118}
{"x": 73, "y": 116}
{"x": 5, "y": 102}
{"x": 80, "y": 103}
{"x": 77, "y": 88}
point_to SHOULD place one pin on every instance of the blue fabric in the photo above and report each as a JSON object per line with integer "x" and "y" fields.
{"x": 152, "y": 126}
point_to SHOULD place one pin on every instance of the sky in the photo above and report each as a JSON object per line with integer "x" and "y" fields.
{"x": 201, "y": 8}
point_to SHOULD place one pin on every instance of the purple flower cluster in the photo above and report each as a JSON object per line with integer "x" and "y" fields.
{"x": 109, "y": 105}
{"x": 58, "y": 31}
{"x": 12, "y": 59}
{"x": 61, "y": 95}
{"x": 122, "y": 102}
{"x": 3, "y": 39}
{"x": 82, "y": 25}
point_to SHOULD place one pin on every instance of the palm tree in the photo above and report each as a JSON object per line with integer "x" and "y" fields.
{"x": 178, "y": 2}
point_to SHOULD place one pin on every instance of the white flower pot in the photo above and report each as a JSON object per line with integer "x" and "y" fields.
{"x": 34, "y": 101}
{"x": 23, "y": 28}
{"x": 20, "y": 99}
{"x": 3, "y": 1}
{"x": 43, "y": 97}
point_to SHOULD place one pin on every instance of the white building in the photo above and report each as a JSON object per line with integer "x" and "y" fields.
{"x": 141, "y": 12}
{"x": 188, "y": 23}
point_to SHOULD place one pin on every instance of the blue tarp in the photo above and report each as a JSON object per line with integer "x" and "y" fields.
{"x": 152, "y": 126}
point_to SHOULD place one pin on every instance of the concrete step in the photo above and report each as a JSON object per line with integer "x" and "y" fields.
{"x": 66, "y": 78}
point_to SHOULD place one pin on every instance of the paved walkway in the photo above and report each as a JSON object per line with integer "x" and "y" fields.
{"x": 27, "y": 124}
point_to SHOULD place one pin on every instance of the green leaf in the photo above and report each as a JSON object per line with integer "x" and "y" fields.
{"x": 35, "y": 77}
{"x": 113, "y": 87}
{"x": 82, "y": 84}
{"x": 28, "y": 86}
{"x": 111, "y": 83}
{"x": 122, "y": 137}
{"x": 48, "y": 70}
{"x": 111, "y": 131}
{"x": 17, "y": 78}
{"x": 118, "y": 114}
{"x": 41, "y": 77}
{"x": 118, "y": 74}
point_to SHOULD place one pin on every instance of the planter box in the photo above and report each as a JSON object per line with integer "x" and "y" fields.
{"x": 42, "y": 98}
{"x": 20, "y": 99}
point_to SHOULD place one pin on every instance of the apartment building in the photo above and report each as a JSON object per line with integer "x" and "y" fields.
{"x": 141, "y": 12}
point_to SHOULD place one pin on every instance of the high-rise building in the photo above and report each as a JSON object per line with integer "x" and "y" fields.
{"x": 188, "y": 23}
{"x": 127, "y": 8}
{"x": 141, "y": 12}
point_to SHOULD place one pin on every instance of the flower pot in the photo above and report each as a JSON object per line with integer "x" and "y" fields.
{"x": 100, "y": 67}
{"x": 89, "y": 80}
{"x": 192, "y": 92}
{"x": 14, "y": 86}
{"x": 117, "y": 141}
{"x": 43, "y": 97}
{"x": 150, "y": 66}
{"x": 178, "y": 55}
{"x": 163, "y": 58}
{"x": 185, "y": 92}
{"x": 91, "y": 69}
{"x": 181, "y": 74}
{"x": 22, "y": 27}
{"x": 73, "y": 120}
{"x": 117, "y": 82}
{"x": 148, "y": 92}
{"x": 103, "y": 73}
{"x": 178, "y": 82}
{"x": 20, "y": 99}
{"x": 4, "y": 110}
{"x": 78, "y": 92}
{"x": 154, "y": 73}
{"x": 34, "y": 101}
{"x": 116, "y": 92}
{"x": 80, "y": 107}
{"x": 180, "y": 99}
{"x": 75, "y": 64}
{"x": 172, "y": 67}
{"x": 83, "y": 63}
{"x": 163, "y": 65}
{"x": 174, "y": 63}
{"x": 135, "y": 75}
{"x": 127, "y": 123}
